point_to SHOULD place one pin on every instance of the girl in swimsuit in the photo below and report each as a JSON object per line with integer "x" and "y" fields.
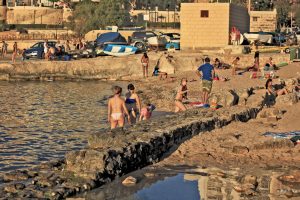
{"x": 117, "y": 109}
{"x": 145, "y": 64}
{"x": 133, "y": 103}
{"x": 181, "y": 94}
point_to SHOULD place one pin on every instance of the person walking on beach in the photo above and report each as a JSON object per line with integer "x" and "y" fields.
{"x": 4, "y": 48}
{"x": 46, "y": 50}
{"x": 145, "y": 64}
{"x": 67, "y": 46}
{"x": 117, "y": 109}
{"x": 15, "y": 52}
{"x": 207, "y": 77}
{"x": 181, "y": 95}
{"x": 133, "y": 103}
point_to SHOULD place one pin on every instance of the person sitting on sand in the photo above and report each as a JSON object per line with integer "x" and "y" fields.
{"x": 133, "y": 103}
{"x": 271, "y": 90}
{"x": 181, "y": 95}
{"x": 235, "y": 64}
{"x": 146, "y": 111}
{"x": 218, "y": 64}
{"x": 269, "y": 66}
{"x": 156, "y": 72}
{"x": 117, "y": 109}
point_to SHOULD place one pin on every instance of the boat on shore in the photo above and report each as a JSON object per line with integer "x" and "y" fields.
{"x": 119, "y": 50}
{"x": 262, "y": 37}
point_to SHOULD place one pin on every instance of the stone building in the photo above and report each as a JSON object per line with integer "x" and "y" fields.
{"x": 263, "y": 21}
{"x": 209, "y": 24}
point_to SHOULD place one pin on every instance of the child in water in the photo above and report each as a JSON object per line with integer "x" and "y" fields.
{"x": 146, "y": 112}
{"x": 117, "y": 109}
{"x": 181, "y": 95}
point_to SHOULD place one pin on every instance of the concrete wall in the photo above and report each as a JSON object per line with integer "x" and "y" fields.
{"x": 34, "y": 15}
{"x": 239, "y": 17}
{"x": 263, "y": 21}
{"x": 204, "y": 32}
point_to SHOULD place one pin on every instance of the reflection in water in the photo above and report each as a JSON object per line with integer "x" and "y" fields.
{"x": 171, "y": 188}
{"x": 41, "y": 121}
{"x": 192, "y": 183}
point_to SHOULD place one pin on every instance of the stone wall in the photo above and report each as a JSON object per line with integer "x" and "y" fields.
{"x": 34, "y": 15}
{"x": 263, "y": 21}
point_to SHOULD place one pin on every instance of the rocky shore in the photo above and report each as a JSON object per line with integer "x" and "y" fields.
{"x": 111, "y": 154}
{"x": 107, "y": 157}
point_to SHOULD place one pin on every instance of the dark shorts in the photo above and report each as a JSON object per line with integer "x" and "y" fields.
{"x": 206, "y": 86}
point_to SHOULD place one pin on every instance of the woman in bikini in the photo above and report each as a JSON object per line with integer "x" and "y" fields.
{"x": 271, "y": 90}
{"x": 145, "y": 64}
{"x": 117, "y": 109}
{"x": 132, "y": 102}
{"x": 180, "y": 95}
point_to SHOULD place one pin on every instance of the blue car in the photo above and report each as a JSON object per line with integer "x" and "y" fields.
{"x": 37, "y": 50}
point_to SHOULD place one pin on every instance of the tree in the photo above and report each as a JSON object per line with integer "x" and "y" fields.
{"x": 297, "y": 15}
{"x": 89, "y": 16}
{"x": 283, "y": 8}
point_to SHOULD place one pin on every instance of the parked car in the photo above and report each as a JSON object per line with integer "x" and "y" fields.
{"x": 142, "y": 39}
{"x": 37, "y": 50}
{"x": 172, "y": 37}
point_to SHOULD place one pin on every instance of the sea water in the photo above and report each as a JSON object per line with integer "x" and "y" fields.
{"x": 40, "y": 121}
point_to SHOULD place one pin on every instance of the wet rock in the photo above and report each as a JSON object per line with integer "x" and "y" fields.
{"x": 11, "y": 188}
{"x": 45, "y": 183}
{"x": 15, "y": 176}
{"x": 19, "y": 186}
{"x": 129, "y": 181}
{"x": 240, "y": 149}
{"x": 149, "y": 175}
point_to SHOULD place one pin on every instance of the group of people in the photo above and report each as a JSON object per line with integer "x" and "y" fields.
{"x": 206, "y": 73}
{"x": 130, "y": 108}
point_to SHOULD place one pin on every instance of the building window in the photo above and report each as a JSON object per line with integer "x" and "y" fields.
{"x": 204, "y": 13}
{"x": 255, "y": 19}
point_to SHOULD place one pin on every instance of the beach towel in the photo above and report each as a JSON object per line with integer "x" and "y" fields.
{"x": 282, "y": 64}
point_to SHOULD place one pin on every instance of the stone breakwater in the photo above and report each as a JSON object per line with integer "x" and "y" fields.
{"x": 115, "y": 68}
{"x": 112, "y": 154}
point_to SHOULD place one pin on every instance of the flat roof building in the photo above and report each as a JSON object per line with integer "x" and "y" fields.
{"x": 210, "y": 24}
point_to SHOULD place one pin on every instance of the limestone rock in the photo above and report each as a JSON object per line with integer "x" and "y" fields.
{"x": 15, "y": 176}
{"x": 249, "y": 179}
{"x": 240, "y": 149}
{"x": 288, "y": 99}
{"x": 129, "y": 181}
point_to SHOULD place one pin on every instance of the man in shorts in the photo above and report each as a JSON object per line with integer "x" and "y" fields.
{"x": 206, "y": 72}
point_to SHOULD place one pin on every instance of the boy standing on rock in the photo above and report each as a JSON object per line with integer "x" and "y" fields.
{"x": 206, "y": 72}
{"x": 117, "y": 109}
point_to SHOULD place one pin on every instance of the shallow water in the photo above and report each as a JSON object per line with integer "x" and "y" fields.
{"x": 40, "y": 121}
{"x": 192, "y": 183}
